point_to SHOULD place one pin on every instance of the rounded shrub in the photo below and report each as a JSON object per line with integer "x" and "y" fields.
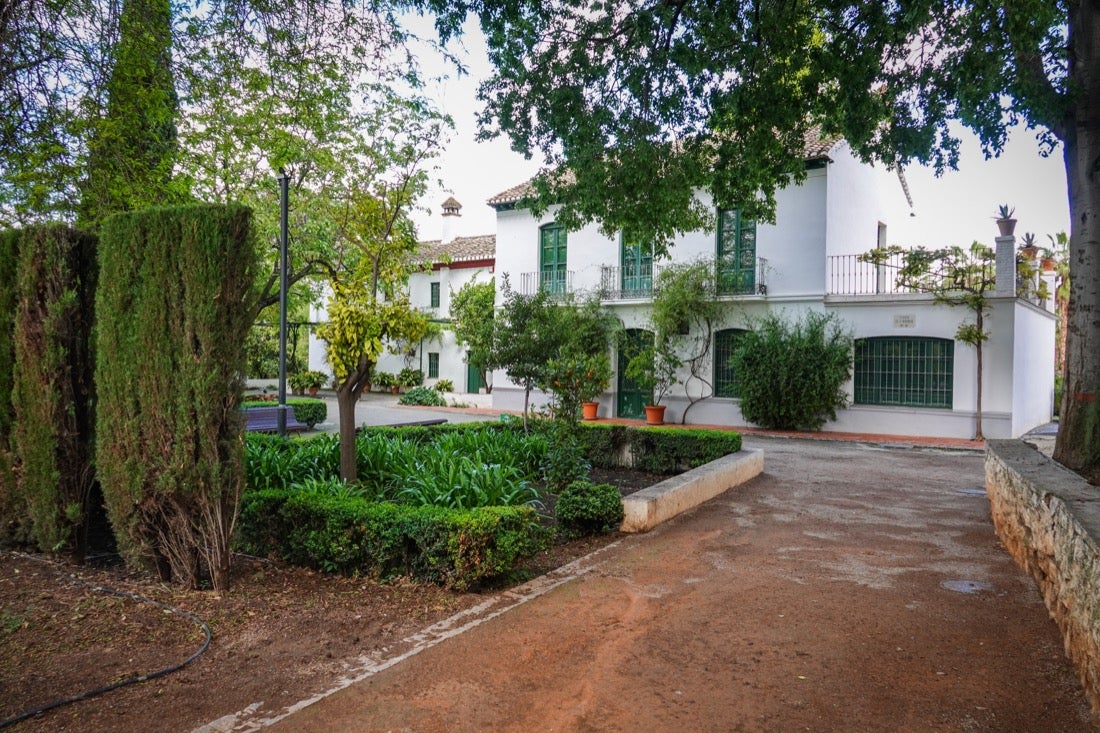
{"x": 587, "y": 508}
{"x": 422, "y": 396}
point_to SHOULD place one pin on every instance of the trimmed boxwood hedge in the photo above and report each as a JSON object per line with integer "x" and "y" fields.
{"x": 664, "y": 450}
{"x": 454, "y": 548}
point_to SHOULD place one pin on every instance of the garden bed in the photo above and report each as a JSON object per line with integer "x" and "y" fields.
{"x": 58, "y": 638}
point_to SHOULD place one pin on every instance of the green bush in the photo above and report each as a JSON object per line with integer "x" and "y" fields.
{"x": 410, "y": 377}
{"x": 587, "y": 508}
{"x": 791, "y": 373}
{"x": 454, "y": 548}
{"x": 422, "y": 396}
{"x": 444, "y": 385}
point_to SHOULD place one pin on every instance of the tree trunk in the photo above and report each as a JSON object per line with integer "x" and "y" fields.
{"x": 346, "y": 397}
{"x": 1078, "y": 444}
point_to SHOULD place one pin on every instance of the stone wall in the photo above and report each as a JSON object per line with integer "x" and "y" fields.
{"x": 1049, "y": 520}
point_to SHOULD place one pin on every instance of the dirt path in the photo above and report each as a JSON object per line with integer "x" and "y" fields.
{"x": 849, "y": 588}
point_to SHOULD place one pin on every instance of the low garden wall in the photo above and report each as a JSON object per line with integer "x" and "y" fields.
{"x": 1049, "y": 520}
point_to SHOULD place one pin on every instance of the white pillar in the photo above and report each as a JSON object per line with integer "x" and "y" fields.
{"x": 1006, "y": 267}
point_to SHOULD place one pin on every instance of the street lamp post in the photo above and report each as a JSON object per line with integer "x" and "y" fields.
{"x": 284, "y": 285}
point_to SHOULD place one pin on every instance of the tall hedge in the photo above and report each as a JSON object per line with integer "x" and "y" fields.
{"x": 53, "y": 396}
{"x": 174, "y": 305}
{"x": 9, "y": 250}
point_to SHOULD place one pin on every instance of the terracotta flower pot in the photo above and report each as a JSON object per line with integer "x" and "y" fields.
{"x": 1048, "y": 264}
{"x": 590, "y": 410}
{"x": 1006, "y": 227}
{"x": 655, "y": 414}
{"x": 312, "y": 391}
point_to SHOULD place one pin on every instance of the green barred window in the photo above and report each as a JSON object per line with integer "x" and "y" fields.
{"x": 435, "y": 295}
{"x": 904, "y": 370}
{"x": 433, "y": 365}
{"x": 726, "y": 381}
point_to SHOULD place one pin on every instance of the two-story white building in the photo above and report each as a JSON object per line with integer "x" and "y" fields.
{"x": 449, "y": 263}
{"x": 910, "y": 375}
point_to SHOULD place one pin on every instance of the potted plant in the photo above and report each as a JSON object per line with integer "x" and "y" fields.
{"x": 298, "y": 383}
{"x": 1028, "y": 247}
{"x": 384, "y": 380}
{"x": 410, "y": 378}
{"x": 1005, "y": 223}
{"x": 653, "y": 369}
{"x": 313, "y": 381}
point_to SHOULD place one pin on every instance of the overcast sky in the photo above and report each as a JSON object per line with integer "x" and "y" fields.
{"x": 955, "y": 209}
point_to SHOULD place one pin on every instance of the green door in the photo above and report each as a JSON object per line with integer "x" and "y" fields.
{"x": 632, "y": 400}
{"x": 473, "y": 376}
{"x": 736, "y": 253}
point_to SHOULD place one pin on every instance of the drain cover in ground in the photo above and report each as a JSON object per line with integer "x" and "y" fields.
{"x": 966, "y": 586}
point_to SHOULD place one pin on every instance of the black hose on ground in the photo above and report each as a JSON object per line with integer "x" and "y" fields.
{"x": 130, "y": 680}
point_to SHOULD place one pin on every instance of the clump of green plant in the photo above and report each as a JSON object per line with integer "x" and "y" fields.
{"x": 792, "y": 373}
{"x": 422, "y": 396}
{"x": 564, "y": 461}
{"x": 444, "y": 385}
{"x": 587, "y": 508}
{"x": 409, "y": 377}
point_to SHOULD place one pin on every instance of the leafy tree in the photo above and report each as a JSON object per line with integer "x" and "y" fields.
{"x": 955, "y": 277}
{"x": 523, "y": 337}
{"x": 722, "y": 95}
{"x": 473, "y": 310}
{"x": 376, "y": 244}
{"x": 792, "y": 373}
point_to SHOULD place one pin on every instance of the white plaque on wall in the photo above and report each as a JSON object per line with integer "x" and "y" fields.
{"x": 905, "y": 321}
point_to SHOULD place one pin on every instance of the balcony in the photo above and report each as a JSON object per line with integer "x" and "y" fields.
{"x": 849, "y": 275}
{"x": 633, "y": 282}
{"x": 638, "y": 282}
{"x": 555, "y": 282}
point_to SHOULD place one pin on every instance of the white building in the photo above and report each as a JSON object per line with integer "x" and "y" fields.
{"x": 450, "y": 262}
{"x": 910, "y": 378}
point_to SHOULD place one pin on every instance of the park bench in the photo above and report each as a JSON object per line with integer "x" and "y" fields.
{"x": 266, "y": 419}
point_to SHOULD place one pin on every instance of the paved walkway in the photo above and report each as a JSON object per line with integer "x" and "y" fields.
{"x": 851, "y": 587}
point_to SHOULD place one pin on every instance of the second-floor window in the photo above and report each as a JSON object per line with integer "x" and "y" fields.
{"x": 637, "y": 266}
{"x": 435, "y": 295}
{"x": 552, "y": 258}
{"x": 736, "y": 253}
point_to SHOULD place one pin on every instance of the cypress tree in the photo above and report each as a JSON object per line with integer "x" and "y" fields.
{"x": 9, "y": 516}
{"x": 53, "y": 396}
{"x": 173, "y": 315}
{"x": 133, "y": 149}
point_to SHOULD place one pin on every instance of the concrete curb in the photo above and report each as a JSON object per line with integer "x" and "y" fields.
{"x": 645, "y": 509}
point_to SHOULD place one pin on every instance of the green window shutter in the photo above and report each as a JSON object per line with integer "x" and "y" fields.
{"x": 910, "y": 371}
{"x": 435, "y": 295}
{"x": 736, "y": 253}
{"x": 637, "y": 266}
{"x": 552, "y": 258}
{"x": 433, "y": 365}
{"x": 726, "y": 381}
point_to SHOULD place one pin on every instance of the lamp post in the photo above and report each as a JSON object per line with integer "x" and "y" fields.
{"x": 284, "y": 285}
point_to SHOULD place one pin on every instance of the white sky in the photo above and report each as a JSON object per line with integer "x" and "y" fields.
{"x": 955, "y": 209}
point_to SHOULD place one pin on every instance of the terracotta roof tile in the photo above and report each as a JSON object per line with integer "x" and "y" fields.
{"x": 461, "y": 249}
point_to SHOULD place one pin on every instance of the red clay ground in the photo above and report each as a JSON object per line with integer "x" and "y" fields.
{"x": 823, "y": 595}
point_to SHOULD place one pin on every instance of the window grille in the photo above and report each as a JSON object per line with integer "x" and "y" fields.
{"x": 904, "y": 370}
{"x": 726, "y": 381}
{"x": 433, "y": 365}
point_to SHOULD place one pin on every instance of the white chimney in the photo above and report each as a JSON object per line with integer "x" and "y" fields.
{"x": 451, "y": 209}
